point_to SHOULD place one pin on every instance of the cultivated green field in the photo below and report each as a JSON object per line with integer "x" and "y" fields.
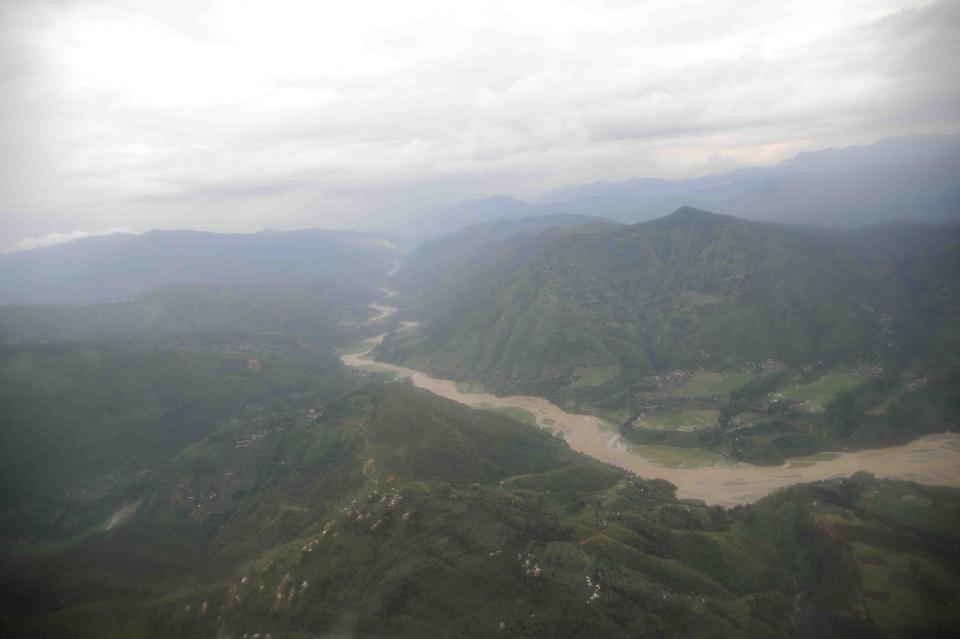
{"x": 519, "y": 414}
{"x": 596, "y": 375}
{"x": 810, "y": 460}
{"x": 470, "y": 387}
{"x": 819, "y": 393}
{"x": 685, "y": 421}
{"x": 675, "y": 457}
{"x": 710, "y": 384}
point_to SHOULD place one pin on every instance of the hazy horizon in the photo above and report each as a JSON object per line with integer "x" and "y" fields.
{"x": 377, "y": 224}
{"x": 584, "y": 318}
{"x": 225, "y": 117}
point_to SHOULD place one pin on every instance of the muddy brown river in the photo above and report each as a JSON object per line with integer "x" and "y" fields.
{"x": 934, "y": 459}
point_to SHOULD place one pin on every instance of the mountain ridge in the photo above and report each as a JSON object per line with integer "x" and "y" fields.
{"x": 116, "y": 267}
{"x": 908, "y": 177}
{"x": 601, "y": 318}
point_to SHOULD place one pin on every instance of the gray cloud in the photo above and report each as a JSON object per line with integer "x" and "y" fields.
{"x": 281, "y": 114}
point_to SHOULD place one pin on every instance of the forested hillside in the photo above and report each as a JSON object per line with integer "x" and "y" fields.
{"x": 317, "y": 312}
{"x": 678, "y": 313}
{"x": 121, "y": 266}
{"x": 393, "y": 512}
{"x": 86, "y": 424}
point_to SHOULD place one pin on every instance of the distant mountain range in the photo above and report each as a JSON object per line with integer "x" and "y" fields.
{"x": 911, "y": 178}
{"x": 433, "y": 223}
{"x": 118, "y": 267}
{"x": 315, "y": 312}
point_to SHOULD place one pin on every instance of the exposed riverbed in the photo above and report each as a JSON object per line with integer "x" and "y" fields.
{"x": 934, "y": 459}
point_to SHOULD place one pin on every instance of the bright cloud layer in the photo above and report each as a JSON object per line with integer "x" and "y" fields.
{"x": 244, "y": 115}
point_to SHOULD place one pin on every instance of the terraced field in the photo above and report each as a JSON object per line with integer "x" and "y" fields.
{"x": 817, "y": 394}
{"x": 689, "y": 420}
{"x": 711, "y": 383}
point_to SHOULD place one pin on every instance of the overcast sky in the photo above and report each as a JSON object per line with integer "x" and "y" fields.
{"x": 241, "y": 115}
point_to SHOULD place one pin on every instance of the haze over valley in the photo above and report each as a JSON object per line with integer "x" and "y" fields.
{"x": 557, "y": 320}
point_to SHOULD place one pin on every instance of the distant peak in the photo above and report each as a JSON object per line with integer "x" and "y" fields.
{"x": 504, "y": 199}
{"x": 688, "y": 215}
{"x": 689, "y": 212}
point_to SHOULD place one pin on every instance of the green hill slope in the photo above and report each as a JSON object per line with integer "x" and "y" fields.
{"x": 450, "y": 258}
{"x": 317, "y": 312}
{"x": 85, "y": 424}
{"x": 122, "y": 266}
{"x": 615, "y": 318}
{"x": 391, "y": 512}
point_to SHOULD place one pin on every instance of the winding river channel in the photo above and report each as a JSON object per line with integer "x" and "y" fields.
{"x": 934, "y": 459}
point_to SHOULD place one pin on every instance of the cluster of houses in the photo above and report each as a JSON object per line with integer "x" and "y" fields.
{"x": 194, "y": 502}
{"x": 674, "y": 377}
{"x": 308, "y": 547}
{"x": 359, "y": 514}
{"x": 529, "y": 565}
{"x": 772, "y": 366}
{"x": 250, "y": 440}
{"x": 595, "y": 589}
{"x": 916, "y": 383}
{"x": 288, "y": 588}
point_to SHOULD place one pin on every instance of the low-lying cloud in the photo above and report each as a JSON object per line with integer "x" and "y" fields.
{"x": 52, "y": 239}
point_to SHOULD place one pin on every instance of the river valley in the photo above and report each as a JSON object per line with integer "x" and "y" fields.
{"x": 934, "y": 459}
